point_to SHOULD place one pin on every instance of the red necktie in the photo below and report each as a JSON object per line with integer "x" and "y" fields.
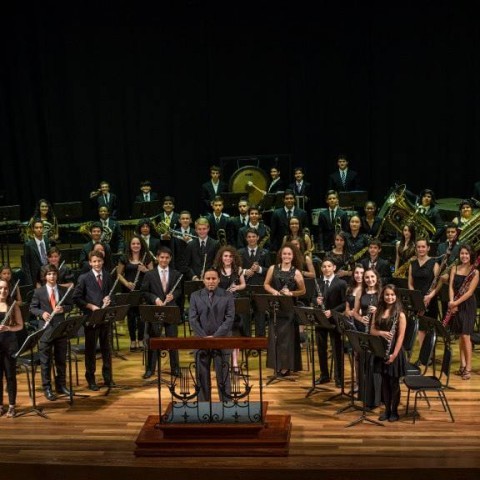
{"x": 53, "y": 301}
{"x": 99, "y": 281}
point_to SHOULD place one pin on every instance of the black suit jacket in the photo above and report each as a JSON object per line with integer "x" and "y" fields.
{"x": 223, "y": 224}
{"x": 351, "y": 181}
{"x": 174, "y": 222}
{"x": 86, "y": 249}
{"x": 194, "y": 259}
{"x": 216, "y": 318}
{"x": 179, "y": 251}
{"x": 262, "y": 257}
{"x": 334, "y": 296}
{"x": 153, "y": 197}
{"x": 87, "y": 290}
{"x": 279, "y": 224}
{"x": 152, "y": 286}
{"x": 278, "y": 186}
{"x": 32, "y": 262}
{"x": 262, "y": 229}
{"x": 382, "y": 267}
{"x": 112, "y": 204}
{"x": 208, "y": 193}
{"x": 41, "y": 303}
{"x": 117, "y": 242}
{"x": 326, "y": 229}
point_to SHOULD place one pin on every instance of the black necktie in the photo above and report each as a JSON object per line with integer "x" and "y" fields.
{"x": 210, "y": 296}
{"x": 202, "y": 247}
{"x": 332, "y": 216}
{"x": 327, "y": 283}
{"x": 289, "y": 214}
{"x": 252, "y": 254}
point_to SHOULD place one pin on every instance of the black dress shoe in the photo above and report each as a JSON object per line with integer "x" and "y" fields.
{"x": 322, "y": 379}
{"x": 49, "y": 395}
{"x": 393, "y": 417}
{"x": 111, "y": 383}
{"x": 384, "y": 416}
{"x": 94, "y": 387}
{"x": 338, "y": 383}
{"x": 63, "y": 390}
{"x": 147, "y": 374}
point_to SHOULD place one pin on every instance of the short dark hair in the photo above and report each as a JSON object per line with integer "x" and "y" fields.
{"x": 96, "y": 225}
{"x": 168, "y": 198}
{"x": 145, "y": 183}
{"x": 163, "y": 249}
{"x": 95, "y": 253}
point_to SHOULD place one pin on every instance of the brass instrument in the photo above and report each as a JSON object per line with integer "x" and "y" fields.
{"x": 265, "y": 239}
{"x": 338, "y": 225}
{"x": 470, "y": 232}
{"x": 180, "y": 235}
{"x": 162, "y": 228}
{"x": 319, "y": 295}
{"x": 84, "y": 229}
{"x": 398, "y": 211}
{"x": 402, "y": 270}
{"x": 222, "y": 237}
{"x": 106, "y": 234}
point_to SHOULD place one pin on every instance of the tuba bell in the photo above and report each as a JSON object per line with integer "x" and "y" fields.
{"x": 399, "y": 211}
{"x": 470, "y": 232}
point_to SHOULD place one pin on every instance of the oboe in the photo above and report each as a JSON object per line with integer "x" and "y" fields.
{"x": 390, "y": 342}
{"x": 8, "y": 314}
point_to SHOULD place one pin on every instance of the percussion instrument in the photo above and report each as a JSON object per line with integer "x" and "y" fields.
{"x": 258, "y": 179}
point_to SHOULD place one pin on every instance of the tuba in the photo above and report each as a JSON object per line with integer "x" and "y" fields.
{"x": 470, "y": 232}
{"x": 398, "y": 211}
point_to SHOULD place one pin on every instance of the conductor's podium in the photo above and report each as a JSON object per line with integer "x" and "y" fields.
{"x": 237, "y": 426}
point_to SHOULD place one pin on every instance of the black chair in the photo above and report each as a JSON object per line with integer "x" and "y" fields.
{"x": 422, "y": 384}
{"x": 425, "y": 355}
{"x": 410, "y": 335}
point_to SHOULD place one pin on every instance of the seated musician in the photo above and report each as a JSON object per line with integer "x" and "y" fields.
{"x": 374, "y": 260}
{"x": 111, "y": 231}
{"x": 44, "y": 212}
{"x": 254, "y": 221}
{"x": 146, "y": 230}
{"x": 219, "y": 222}
{"x": 167, "y": 219}
{"x": 65, "y": 274}
{"x": 357, "y": 242}
{"x": 96, "y": 230}
{"x": 6, "y": 274}
{"x": 146, "y": 194}
{"x": 45, "y": 306}
{"x": 103, "y": 197}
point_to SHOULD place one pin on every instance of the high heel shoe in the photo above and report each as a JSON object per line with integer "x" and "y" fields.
{"x": 11, "y": 412}
{"x": 466, "y": 374}
{"x": 460, "y": 371}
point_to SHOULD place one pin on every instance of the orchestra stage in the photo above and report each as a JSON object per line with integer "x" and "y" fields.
{"x": 94, "y": 438}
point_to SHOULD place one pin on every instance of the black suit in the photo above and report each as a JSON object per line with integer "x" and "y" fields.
{"x": 86, "y": 291}
{"x": 279, "y": 225}
{"x": 153, "y": 244}
{"x": 208, "y": 193}
{"x": 382, "y": 266}
{"x": 32, "y": 261}
{"x": 305, "y": 191}
{"x": 194, "y": 258}
{"x": 41, "y": 303}
{"x": 179, "y": 248}
{"x": 334, "y": 299}
{"x": 117, "y": 242}
{"x": 152, "y": 289}
{"x": 278, "y": 186}
{"x": 112, "y": 204}
{"x": 234, "y": 227}
{"x": 222, "y": 224}
{"x": 86, "y": 249}
{"x": 351, "y": 181}
{"x": 212, "y": 319}
{"x": 262, "y": 229}
{"x": 326, "y": 229}
{"x": 141, "y": 198}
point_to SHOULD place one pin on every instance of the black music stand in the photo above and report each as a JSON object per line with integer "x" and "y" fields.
{"x": 160, "y": 315}
{"x": 273, "y": 304}
{"x": 29, "y": 344}
{"x": 132, "y": 299}
{"x": 363, "y": 343}
{"x": 231, "y": 199}
{"x": 354, "y": 198}
{"x": 311, "y": 317}
{"x": 9, "y": 223}
{"x": 66, "y": 213}
{"x": 107, "y": 316}
{"x": 146, "y": 209}
{"x": 269, "y": 202}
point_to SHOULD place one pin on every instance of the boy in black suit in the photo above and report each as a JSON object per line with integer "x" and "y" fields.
{"x": 44, "y": 305}
{"x": 35, "y": 254}
{"x": 92, "y": 293}
{"x": 373, "y": 260}
{"x": 147, "y": 195}
{"x": 344, "y": 179}
{"x": 105, "y": 198}
{"x": 219, "y": 222}
{"x": 212, "y": 188}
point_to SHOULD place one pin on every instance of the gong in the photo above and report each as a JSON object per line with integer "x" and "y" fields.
{"x": 239, "y": 183}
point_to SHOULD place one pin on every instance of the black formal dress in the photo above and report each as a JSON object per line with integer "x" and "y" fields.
{"x": 463, "y": 321}
{"x": 422, "y": 279}
{"x": 8, "y": 363}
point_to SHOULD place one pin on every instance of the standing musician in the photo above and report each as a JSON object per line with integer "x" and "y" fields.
{"x": 421, "y": 273}
{"x": 237, "y": 222}
{"x": 8, "y": 346}
{"x": 211, "y": 314}
{"x": 375, "y": 261}
{"x": 200, "y": 253}
{"x": 330, "y": 297}
{"x": 6, "y": 274}
{"x": 276, "y": 183}
{"x": 344, "y": 179}
{"x": 91, "y": 293}
{"x": 463, "y": 305}
{"x": 296, "y": 232}
{"x": 255, "y": 262}
{"x": 404, "y": 250}
{"x": 158, "y": 289}
{"x": 370, "y": 221}
{"x": 212, "y": 188}
{"x": 330, "y": 221}
{"x": 35, "y": 254}
{"x": 262, "y": 230}
{"x": 168, "y": 218}
{"x": 427, "y": 207}
{"x": 301, "y": 188}
{"x": 131, "y": 270}
{"x": 104, "y": 197}
{"x": 146, "y": 230}
{"x": 339, "y": 255}
{"x": 390, "y": 323}
{"x": 285, "y": 278}
{"x": 146, "y": 194}
{"x": 219, "y": 222}
{"x": 184, "y": 235}
{"x": 45, "y": 306}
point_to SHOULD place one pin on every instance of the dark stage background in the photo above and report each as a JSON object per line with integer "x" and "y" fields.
{"x": 93, "y": 91}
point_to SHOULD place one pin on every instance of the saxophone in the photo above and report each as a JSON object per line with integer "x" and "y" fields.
{"x": 265, "y": 239}
{"x": 402, "y": 270}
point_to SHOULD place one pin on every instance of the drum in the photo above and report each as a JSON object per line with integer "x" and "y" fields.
{"x": 250, "y": 180}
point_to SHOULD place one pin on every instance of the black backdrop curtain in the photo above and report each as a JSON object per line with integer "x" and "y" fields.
{"x": 93, "y": 91}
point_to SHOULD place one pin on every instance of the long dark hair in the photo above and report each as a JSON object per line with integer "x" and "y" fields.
{"x": 382, "y": 306}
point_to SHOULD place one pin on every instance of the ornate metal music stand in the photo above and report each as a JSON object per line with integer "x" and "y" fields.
{"x": 274, "y": 304}
{"x": 107, "y": 316}
{"x": 363, "y": 343}
{"x": 312, "y": 317}
{"x": 155, "y": 314}
{"x": 29, "y": 344}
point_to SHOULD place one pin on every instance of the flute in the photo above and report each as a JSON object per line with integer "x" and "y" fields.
{"x": 59, "y": 304}
{"x": 8, "y": 314}
{"x": 110, "y": 293}
{"x": 12, "y": 293}
{"x": 175, "y": 286}
{"x": 137, "y": 276}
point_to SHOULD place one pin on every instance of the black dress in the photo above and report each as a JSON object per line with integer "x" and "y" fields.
{"x": 241, "y": 324}
{"x": 422, "y": 276}
{"x": 285, "y": 352}
{"x": 464, "y": 320}
{"x": 8, "y": 346}
{"x": 397, "y": 368}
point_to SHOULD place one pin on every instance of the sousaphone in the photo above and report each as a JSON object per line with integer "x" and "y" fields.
{"x": 250, "y": 180}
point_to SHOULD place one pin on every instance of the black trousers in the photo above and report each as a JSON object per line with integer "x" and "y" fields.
{"x": 322, "y": 335}
{"x": 58, "y": 347}
{"x": 155, "y": 330}
{"x": 8, "y": 366}
{"x": 203, "y": 360}
{"x": 92, "y": 335}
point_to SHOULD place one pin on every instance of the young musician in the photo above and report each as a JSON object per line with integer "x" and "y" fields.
{"x": 301, "y": 188}
{"x": 330, "y": 221}
{"x": 169, "y": 219}
{"x": 146, "y": 194}
{"x": 96, "y": 231}
{"x": 344, "y": 179}
{"x": 373, "y": 260}
{"x": 219, "y": 221}
{"x": 8, "y": 346}
{"x": 162, "y": 286}
{"x": 239, "y": 221}
{"x": 212, "y": 188}
{"x": 35, "y": 254}
{"x": 390, "y": 323}
{"x": 91, "y": 293}
{"x": 254, "y": 222}
{"x": 356, "y": 241}
{"x": 104, "y": 197}
{"x": 146, "y": 230}
{"x": 211, "y": 314}
{"x": 276, "y": 183}
{"x": 45, "y": 306}
{"x": 111, "y": 231}
{"x": 65, "y": 275}
{"x": 6, "y": 274}
{"x": 44, "y": 212}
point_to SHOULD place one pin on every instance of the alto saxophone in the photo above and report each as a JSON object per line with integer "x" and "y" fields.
{"x": 265, "y": 239}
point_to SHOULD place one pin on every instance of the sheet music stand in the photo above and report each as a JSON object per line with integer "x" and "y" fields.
{"x": 231, "y": 199}
{"x": 363, "y": 343}
{"x": 269, "y": 202}
{"x": 160, "y": 315}
{"x": 273, "y": 304}
{"x": 29, "y": 344}
{"x": 146, "y": 209}
{"x": 354, "y": 198}
{"x": 107, "y": 316}
{"x": 9, "y": 223}
{"x": 412, "y": 300}
{"x": 312, "y": 317}
{"x": 67, "y": 213}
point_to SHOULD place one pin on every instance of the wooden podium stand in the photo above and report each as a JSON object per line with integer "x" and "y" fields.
{"x": 239, "y": 427}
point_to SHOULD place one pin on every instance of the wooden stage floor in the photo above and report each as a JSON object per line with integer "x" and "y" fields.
{"x": 95, "y": 437}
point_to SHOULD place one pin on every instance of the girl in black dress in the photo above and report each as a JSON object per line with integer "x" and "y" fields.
{"x": 464, "y": 308}
{"x": 285, "y": 278}
{"x": 390, "y": 323}
{"x": 8, "y": 346}
{"x": 405, "y": 250}
{"x": 6, "y": 274}
{"x": 340, "y": 256}
{"x": 131, "y": 270}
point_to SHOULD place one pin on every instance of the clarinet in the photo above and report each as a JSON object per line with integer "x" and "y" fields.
{"x": 202, "y": 273}
{"x": 369, "y": 314}
{"x": 8, "y": 314}
{"x": 393, "y": 330}
{"x": 319, "y": 294}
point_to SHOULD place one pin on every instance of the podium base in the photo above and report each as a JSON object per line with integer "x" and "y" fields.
{"x": 270, "y": 438}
